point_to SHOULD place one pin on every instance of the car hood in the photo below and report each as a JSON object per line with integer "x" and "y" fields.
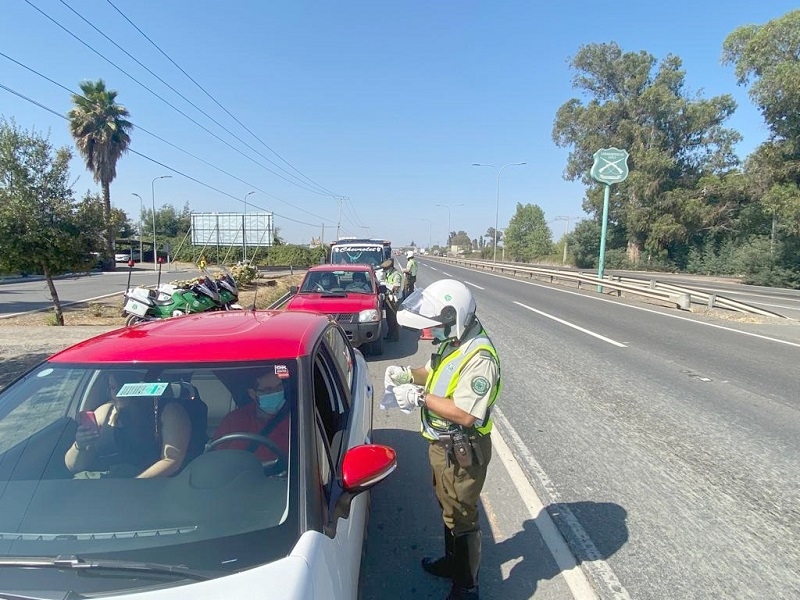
{"x": 332, "y": 304}
{"x": 304, "y": 574}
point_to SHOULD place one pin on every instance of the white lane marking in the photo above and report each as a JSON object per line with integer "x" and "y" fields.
{"x": 649, "y": 310}
{"x": 568, "y": 324}
{"x": 594, "y": 563}
{"x": 574, "y": 577}
{"x": 473, "y": 285}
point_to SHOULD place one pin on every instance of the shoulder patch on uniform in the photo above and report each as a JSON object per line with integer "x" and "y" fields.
{"x": 480, "y": 385}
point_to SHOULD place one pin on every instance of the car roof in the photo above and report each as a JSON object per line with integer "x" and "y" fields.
{"x": 225, "y": 336}
{"x": 341, "y": 267}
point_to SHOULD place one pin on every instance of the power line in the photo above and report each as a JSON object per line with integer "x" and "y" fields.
{"x": 164, "y": 100}
{"x": 164, "y": 165}
{"x": 69, "y": 91}
{"x": 156, "y": 46}
{"x": 146, "y": 68}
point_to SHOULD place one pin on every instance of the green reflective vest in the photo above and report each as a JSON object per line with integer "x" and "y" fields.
{"x": 443, "y": 381}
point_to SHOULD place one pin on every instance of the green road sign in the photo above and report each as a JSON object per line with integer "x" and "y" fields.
{"x": 610, "y": 165}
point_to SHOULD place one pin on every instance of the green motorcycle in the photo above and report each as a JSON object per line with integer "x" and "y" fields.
{"x": 169, "y": 300}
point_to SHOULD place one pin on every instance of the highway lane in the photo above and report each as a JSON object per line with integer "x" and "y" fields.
{"x": 28, "y": 294}
{"x": 691, "y": 428}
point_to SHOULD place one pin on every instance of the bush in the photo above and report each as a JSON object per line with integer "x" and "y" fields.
{"x": 243, "y": 273}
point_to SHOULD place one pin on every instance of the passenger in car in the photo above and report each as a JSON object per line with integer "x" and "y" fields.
{"x": 359, "y": 283}
{"x": 265, "y": 415}
{"x": 141, "y": 437}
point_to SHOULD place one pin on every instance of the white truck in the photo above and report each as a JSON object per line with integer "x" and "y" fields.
{"x": 361, "y": 251}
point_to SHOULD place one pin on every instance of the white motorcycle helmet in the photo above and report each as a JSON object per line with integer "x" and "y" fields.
{"x": 445, "y": 302}
{"x": 410, "y": 254}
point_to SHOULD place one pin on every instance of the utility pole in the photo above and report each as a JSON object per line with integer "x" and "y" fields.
{"x": 566, "y": 231}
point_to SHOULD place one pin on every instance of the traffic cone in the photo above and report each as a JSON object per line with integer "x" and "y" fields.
{"x": 427, "y": 334}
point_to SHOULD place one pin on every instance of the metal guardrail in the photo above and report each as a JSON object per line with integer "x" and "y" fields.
{"x": 672, "y": 295}
{"x": 700, "y": 297}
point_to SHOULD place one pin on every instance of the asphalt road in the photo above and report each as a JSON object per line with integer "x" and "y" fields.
{"x": 665, "y": 446}
{"x": 20, "y": 295}
{"x": 657, "y": 450}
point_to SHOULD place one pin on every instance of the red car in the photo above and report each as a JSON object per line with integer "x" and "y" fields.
{"x": 351, "y": 295}
{"x": 80, "y": 518}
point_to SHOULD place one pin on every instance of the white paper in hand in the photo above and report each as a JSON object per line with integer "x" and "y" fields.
{"x": 389, "y": 401}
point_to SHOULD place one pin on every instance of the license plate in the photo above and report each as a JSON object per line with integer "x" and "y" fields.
{"x": 136, "y": 308}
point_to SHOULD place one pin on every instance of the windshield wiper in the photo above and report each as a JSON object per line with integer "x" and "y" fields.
{"x": 75, "y": 562}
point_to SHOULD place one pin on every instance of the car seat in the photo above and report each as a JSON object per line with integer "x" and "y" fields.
{"x": 186, "y": 394}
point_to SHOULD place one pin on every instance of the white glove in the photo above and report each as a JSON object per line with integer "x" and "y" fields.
{"x": 408, "y": 396}
{"x": 399, "y": 375}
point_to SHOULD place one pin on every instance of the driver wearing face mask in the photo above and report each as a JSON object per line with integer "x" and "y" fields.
{"x": 265, "y": 415}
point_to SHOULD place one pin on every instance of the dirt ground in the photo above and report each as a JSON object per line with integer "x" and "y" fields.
{"x": 27, "y": 340}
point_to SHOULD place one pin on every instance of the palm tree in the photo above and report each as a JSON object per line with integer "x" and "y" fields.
{"x": 102, "y": 134}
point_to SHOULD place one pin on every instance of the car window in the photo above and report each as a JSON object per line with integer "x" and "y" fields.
{"x": 342, "y": 353}
{"x": 324, "y": 460}
{"x": 52, "y": 503}
{"x": 329, "y": 397}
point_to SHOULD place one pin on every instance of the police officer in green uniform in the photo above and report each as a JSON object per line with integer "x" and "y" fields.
{"x": 409, "y": 274}
{"x": 392, "y": 279}
{"x": 455, "y": 390}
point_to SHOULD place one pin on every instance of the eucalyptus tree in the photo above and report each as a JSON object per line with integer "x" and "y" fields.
{"x": 673, "y": 138}
{"x": 101, "y": 132}
{"x": 767, "y": 59}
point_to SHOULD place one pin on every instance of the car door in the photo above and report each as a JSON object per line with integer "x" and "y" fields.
{"x": 340, "y": 424}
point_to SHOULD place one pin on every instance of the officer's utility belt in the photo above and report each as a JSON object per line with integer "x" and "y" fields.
{"x": 462, "y": 446}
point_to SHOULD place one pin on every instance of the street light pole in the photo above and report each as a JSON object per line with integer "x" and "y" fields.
{"x": 153, "y": 192}
{"x": 244, "y": 227}
{"x": 141, "y": 210}
{"x": 497, "y": 205}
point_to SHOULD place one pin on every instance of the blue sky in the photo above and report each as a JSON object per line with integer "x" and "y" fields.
{"x": 384, "y": 104}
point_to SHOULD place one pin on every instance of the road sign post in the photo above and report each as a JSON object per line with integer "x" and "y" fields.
{"x": 610, "y": 166}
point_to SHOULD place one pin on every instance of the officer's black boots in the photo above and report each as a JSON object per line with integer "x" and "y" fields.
{"x": 466, "y": 562}
{"x": 442, "y": 566}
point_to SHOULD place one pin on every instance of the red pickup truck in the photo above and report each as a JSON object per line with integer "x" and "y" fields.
{"x": 351, "y": 295}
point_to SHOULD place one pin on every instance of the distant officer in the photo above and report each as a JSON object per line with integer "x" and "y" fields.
{"x": 409, "y": 274}
{"x": 455, "y": 391}
{"x": 392, "y": 279}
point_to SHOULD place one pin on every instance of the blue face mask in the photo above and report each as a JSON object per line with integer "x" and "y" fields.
{"x": 438, "y": 334}
{"x": 271, "y": 403}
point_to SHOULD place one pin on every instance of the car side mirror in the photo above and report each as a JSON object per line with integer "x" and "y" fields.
{"x": 293, "y": 290}
{"x": 362, "y": 468}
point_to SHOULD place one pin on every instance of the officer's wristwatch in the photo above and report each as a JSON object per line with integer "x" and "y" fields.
{"x": 422, "y": 397}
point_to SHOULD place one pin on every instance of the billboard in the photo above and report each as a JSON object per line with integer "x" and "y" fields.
{"x": 232, "y": 229}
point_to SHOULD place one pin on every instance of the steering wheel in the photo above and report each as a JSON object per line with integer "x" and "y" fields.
{"x": 276, "y": 465}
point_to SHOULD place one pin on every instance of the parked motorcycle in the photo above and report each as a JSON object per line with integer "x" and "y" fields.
{"x": 228, "y": 290}
{"x": 170, "y": 300}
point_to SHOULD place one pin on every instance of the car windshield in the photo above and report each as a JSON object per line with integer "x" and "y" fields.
{"x": 368, "y": 255}
{"x": 64, "y": 493}
{"x": 321, "y": 282}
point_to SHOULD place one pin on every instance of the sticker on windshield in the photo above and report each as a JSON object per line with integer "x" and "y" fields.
{"x": 282, "y": 371}
{"x": 142, "y": 389}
